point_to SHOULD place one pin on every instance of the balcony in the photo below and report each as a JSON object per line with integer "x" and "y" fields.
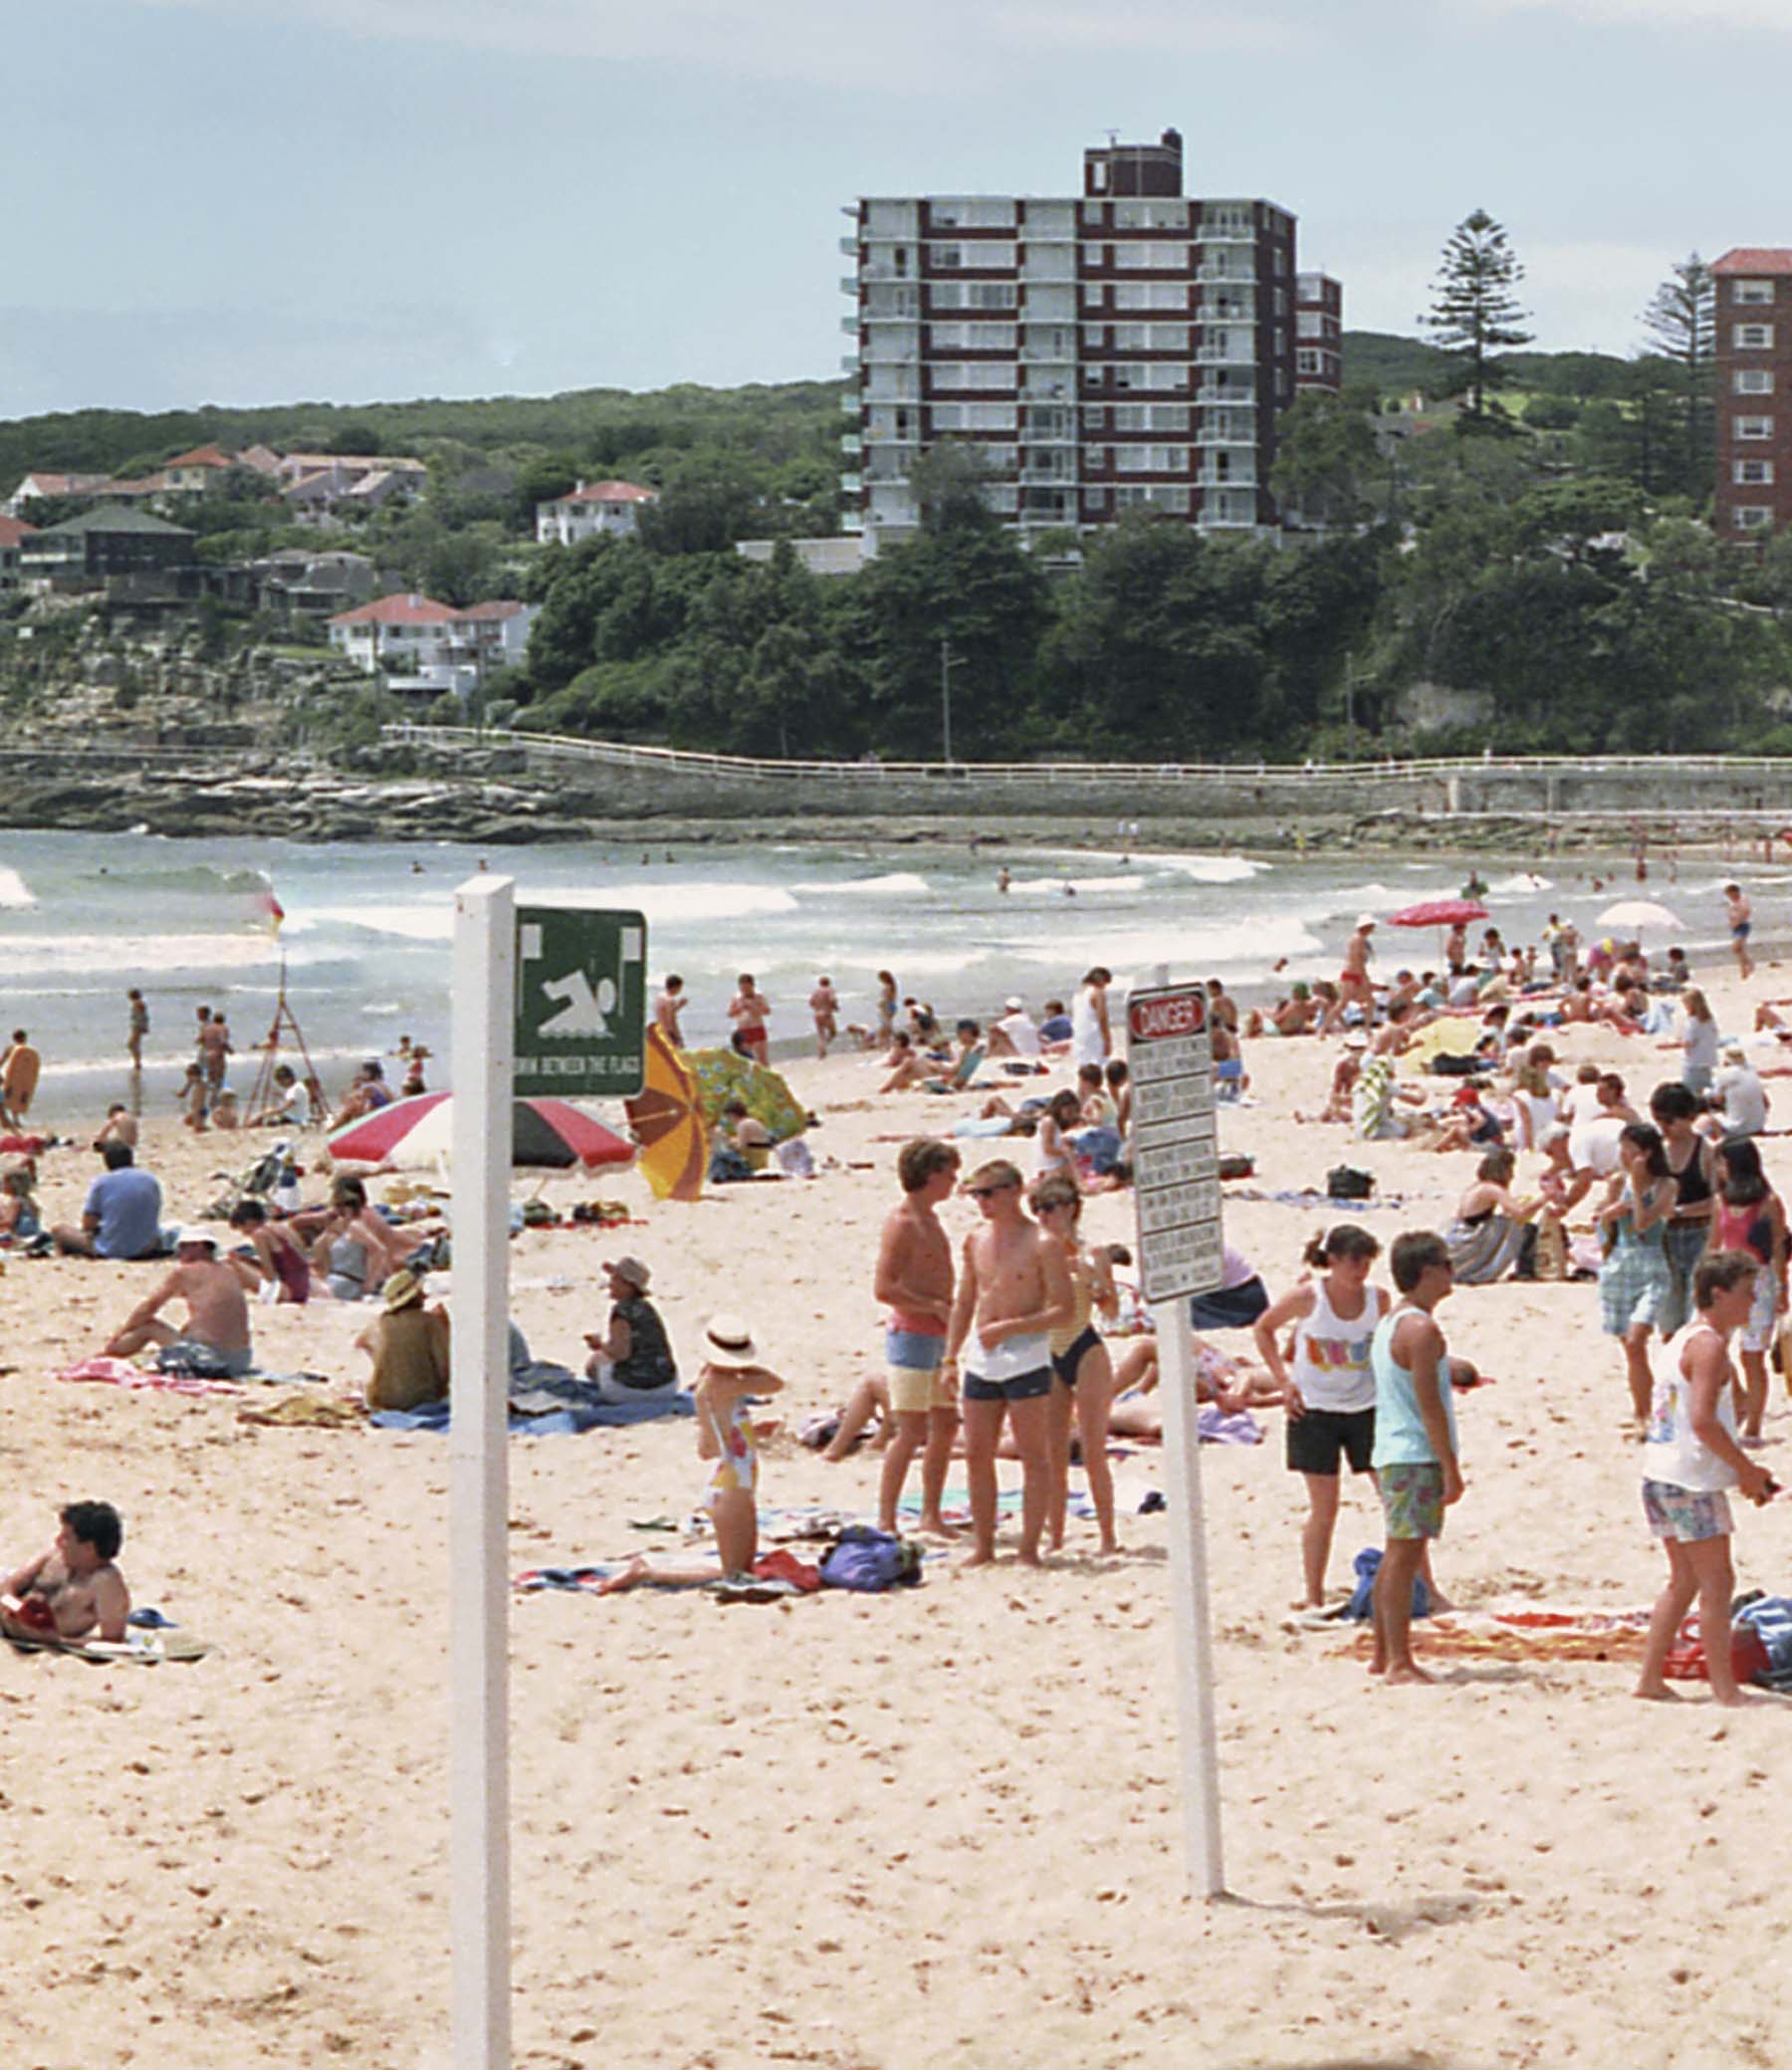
{"x": 1205, "y": 478}
{"x": 1237, "y": 431}
{"x": 851, "y": 484}
{"x": 1223, "y": 276}
{"x": 894, "y": 352}
{"x": 1051, "y": 477}
{"x": 1224, "y": 308}
{"x": 883, "y": 270}
{"x": 852, "y": 523}
{"x": 850, "y": 443}
{"x": 850, "y": 325}
{"x": 1226, "y": 233}
{"x": 1234, "y": 395}
{"x": 849, "y": 247}
{"x": 849, "y": 362}
{"x": 1223, "y": 355}
{"x": 851, "y": 401}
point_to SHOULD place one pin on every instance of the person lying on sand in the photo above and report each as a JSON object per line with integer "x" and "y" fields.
{"x": 73, "y": 1591}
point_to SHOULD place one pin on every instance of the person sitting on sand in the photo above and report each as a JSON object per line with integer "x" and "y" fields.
{"x": 120, "y": 1126}
{"x": 1298, "y": 1013}
{"x": 631, "y": 1361}
{"x": 741, "y": 1145}
{"x": 276, "y": 1265}
{"x": 354, "y": 1248}
{"x": 121, "y": 1215}
{"x": 409, "y": 1346}
{"x": 18, "y": 1211}
{"x": 367, "y": 1094}
{"x": 73, "y": 1591}
{"x": 285, "y": 1106}
{"x": 909, "y": 1067}
{"x": 217, "y": 1320}
{"x": 1493, "y": 1233}
{"x": 732, "y": 1374}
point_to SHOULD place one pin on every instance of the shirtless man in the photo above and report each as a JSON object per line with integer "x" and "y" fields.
{"x": 666, "y": 1010}
{"x": 1738, "y": 912}
{"x": 217, "y": 1311}
{"x": 68, "y": 1591}
{"x": 824, "y": 1005}
{"x": 1014, "y": 1290}
{"x": 749, "y": 1010}
{"x": 120, "y": 1126}
{"x": 1353, "y": 980}
{"x": 214, "y": 1045}
{"x": 914, "y": 1282}
{"x": 19, "y": 1069}
{"x": 138, "y": 1029}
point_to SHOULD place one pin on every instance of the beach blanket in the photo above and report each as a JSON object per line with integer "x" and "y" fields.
{"x": 775, "y": 1573}
{"x": 1533, "y": 1636}
{"x": 309, "y": 1412}
{"x": 570, "y": 1419}
{"x": 138, "y": 1649}
{"x": 1218, "y": 1427}
{"x": 119, "y": 1372}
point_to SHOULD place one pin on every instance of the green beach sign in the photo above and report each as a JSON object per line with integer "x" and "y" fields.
{"x": 582, "y": 1002}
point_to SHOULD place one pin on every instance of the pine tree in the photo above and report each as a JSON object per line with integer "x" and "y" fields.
{"x": 1476, "y": 315}
{"x": 1682, "y": 322}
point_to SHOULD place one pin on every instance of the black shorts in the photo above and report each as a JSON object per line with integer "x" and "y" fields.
{"x": 1317, "y": 1440}
{"x": 1024, "y": 1387}
{"x": 1072, "y": 1356}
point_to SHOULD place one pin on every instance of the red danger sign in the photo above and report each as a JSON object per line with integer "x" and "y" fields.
{"x": 1163, "y": 1015}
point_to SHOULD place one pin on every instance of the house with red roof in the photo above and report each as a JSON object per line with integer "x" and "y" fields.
{"x": 12, "y": 530}
{"x": 39, "y": 487}
{"x": 423, "y": 647}
{"x": 197, "y": 472}
{"x": 593, "y": 509}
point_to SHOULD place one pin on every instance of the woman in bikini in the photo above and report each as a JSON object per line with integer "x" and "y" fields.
{"x": 1084, "y": 1380}
{"x": 1749, "y": 1216}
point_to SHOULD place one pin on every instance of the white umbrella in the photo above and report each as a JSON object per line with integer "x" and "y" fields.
{"x": 1638, "y": 913}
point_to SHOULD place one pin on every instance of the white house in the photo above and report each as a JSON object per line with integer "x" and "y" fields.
{"x": 425, "y": 647}
{"x": 590, "y": 510}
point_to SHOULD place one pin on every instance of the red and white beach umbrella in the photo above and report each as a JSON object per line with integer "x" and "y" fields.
{"x": 543, "y": 1131}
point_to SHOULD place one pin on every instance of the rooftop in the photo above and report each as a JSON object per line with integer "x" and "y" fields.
{"x": 400, "y": 608}
{"x": 1755, "y": 258}
{"x": 609, "y": 492}
{"x": 113, "y": 516}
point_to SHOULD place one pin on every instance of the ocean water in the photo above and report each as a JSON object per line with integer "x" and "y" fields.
{"x": 367, "y": 928}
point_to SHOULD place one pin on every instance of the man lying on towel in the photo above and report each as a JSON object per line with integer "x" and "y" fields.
{"x": 72, "y": 1593}
{"x": 217, "y": 1312}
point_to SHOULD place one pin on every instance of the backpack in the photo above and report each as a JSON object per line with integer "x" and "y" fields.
{"x": 1345, "y": 1183}
{"x": 869, "y": 1561}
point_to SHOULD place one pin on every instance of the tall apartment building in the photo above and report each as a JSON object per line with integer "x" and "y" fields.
{"x": 1754, "y": 390}
{"x": 1131, "y": 346}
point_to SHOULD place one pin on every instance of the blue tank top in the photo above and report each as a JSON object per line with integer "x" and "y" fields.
{"x": 1401, "y": 1439}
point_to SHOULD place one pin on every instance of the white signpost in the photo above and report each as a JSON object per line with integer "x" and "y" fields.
{"x": 1175, "y": 1186}
{"x": 484, "y": 998}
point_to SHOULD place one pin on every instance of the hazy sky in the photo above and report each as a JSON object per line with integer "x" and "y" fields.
{"x": 263, "y": 200}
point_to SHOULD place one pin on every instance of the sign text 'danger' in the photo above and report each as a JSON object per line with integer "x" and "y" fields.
{"x": 1164, "y": 1015}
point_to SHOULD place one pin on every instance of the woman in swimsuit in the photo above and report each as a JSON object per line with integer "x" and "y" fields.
{"x": 1749, "y": 1217}
{"x": 1085, "y": 1373}
{"x": 1634, "y": 1281}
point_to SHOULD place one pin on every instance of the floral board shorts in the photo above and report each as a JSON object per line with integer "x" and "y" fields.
{"x": 1413, "y": 1500}
{"x": 1684, "y": 1513}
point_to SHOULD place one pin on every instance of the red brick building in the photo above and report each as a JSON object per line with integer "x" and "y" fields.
{"x": 1753, "y": 352}
{"x": 1129, "y": 346}
{"x": 1318, "y": 333}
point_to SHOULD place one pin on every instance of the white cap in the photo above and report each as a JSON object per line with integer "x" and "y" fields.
{"x": 1365, "y": 920}
{"x": 1015, "y": 1002}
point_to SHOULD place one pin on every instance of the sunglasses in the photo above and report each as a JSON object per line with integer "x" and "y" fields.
{"x": 984, "y": 1193}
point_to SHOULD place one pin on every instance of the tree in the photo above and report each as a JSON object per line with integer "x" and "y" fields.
{"x": 1682, "y": 322}
{"x": 1325, "y": 456}
{"x": 1476, "y": 315}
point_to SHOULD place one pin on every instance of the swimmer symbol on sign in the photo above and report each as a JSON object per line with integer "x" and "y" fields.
{"x": 581, "y": 1012}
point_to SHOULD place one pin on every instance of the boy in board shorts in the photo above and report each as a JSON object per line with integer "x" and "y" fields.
{"x": 914, "y": 1282}
{"x": 1414, "y": 1456}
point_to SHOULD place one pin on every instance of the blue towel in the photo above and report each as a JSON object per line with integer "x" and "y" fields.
{"x": 575, "y": 1417}
{"x": 1367, "y": 1563}
{"x": 1771, "y": 1616}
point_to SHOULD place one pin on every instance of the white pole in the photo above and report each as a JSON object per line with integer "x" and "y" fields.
{"x": 1203, "y": 1863}
{"x": 484, "y": 977}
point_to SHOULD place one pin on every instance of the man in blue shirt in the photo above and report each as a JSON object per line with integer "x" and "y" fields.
{"x": 121, "y": 1215}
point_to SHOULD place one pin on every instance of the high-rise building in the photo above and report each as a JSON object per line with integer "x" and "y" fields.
{"x": 1131, "y": 346}
{"x": 1753, "y": 352}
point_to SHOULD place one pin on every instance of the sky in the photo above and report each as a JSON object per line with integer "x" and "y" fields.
{"x": 243, "y": 201}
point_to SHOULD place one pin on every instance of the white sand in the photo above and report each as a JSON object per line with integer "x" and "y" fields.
{"x": 937, "y": 1827}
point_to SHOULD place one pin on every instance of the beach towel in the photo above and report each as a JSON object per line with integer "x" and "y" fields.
{"x": 138, "y": 1649}
{"x": 1533, "y": 1636}
{"x": 1215, "y": 1427}
{"x": 309, "y": 1412}
{"x": 119, "y": 1372}
{"x": 570, "y": 1421}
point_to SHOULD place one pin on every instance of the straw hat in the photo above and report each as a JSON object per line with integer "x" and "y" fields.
{"x": 728, "y": 1341}
{"x": 401, "y": 1289}
{"x": 632, "y": 1270}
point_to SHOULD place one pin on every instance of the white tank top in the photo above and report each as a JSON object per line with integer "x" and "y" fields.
{"x": 1331, "y": 1356}
{"x": 1671, "y": 1453}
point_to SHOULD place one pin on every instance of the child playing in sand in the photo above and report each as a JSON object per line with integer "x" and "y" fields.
{"x": 1691, "y": 1458}
{"x": 1415, "y": 1457}
{"x": 68, "y": 1591}
{"x": 732, "y": 1374}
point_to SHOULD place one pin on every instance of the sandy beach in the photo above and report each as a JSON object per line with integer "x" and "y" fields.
{"x": 938, "y": 1826}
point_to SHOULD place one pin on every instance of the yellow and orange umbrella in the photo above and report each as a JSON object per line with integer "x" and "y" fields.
{"x": 667, "y": 1119}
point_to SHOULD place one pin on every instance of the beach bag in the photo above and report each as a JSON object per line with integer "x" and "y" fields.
{"x": 1686, "y": 1661}
{"x": 1361, "y": 1607}
{"x": 869, "y": 1561}
{"x": 1345, "y": 1183}
{"x": 1448, "y": 1064}
{"x": 1238, "y": 1164}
